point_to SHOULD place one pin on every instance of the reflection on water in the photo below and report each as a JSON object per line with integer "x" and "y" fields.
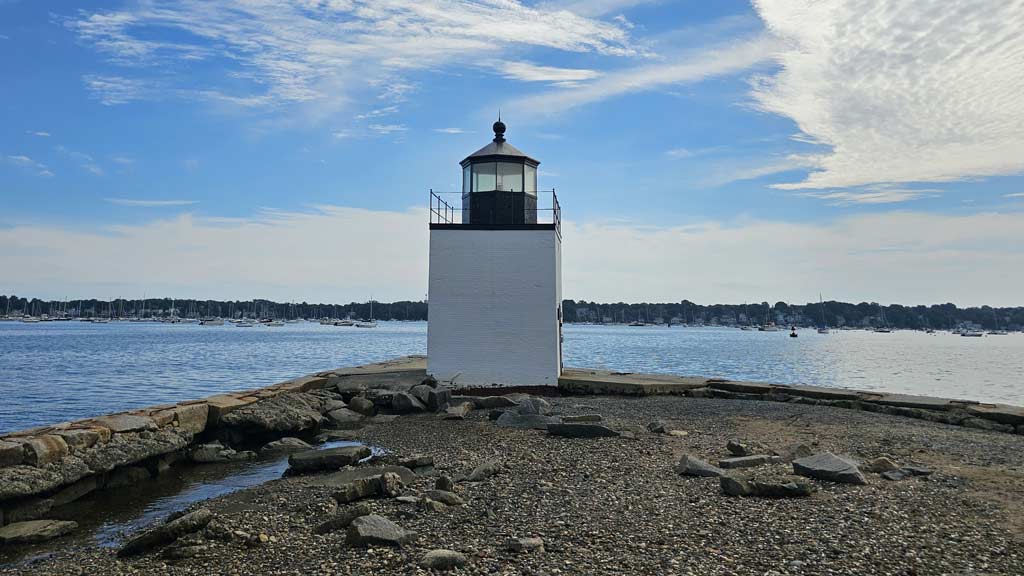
{"x": 57, "y": 371}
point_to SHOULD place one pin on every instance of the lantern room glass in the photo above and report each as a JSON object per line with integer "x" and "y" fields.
{"x": 504, "y": 176}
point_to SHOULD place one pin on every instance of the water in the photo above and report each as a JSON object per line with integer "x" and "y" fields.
{"x": 56, "y": 371}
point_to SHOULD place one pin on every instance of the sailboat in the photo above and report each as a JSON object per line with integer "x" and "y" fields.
{"x": 769, "y": 326}
{"x": 371, "y": 323}
{"x": 884, "y": 329}
{"x": 823, "y": 328}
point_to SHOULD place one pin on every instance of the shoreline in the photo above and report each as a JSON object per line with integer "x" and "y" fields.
{"x": 44, "y": 469}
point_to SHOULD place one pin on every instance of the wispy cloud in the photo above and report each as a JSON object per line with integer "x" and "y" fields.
{"x": 452, "y": 131}
{"x": 41, "y": 134}
{"x": 319, "y": 53}
{"x": 386, "y": 129}
{"x": 529, "y": 72}
{"x": 123, "y": 160}
{"x": 678, "y": 69}
{"x": 1014, "y": 195}
{"x": 85, "y": 161}
{"x": 878, "y": 194}
{"x": 386, "y": 111}
{"x": 28, "y": 163}
{"x": 149, "y": 203}
{"x": 924, "y": 91}
{"x": 738, "y": 170}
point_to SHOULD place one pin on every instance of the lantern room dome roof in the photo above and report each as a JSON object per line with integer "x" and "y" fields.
{"x": 499, "y": 150}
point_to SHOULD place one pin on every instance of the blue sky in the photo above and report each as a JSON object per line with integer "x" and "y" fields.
{"x": 717, "y": 151}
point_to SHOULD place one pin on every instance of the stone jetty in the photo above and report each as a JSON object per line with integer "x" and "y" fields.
{"x": 608, "y": 474}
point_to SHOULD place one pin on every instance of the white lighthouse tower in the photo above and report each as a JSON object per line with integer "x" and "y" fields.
{"x": 496, "y": 275}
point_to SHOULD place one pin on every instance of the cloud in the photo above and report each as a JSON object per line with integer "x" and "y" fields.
{"x": 123, "y": 160}
{"x": 925, "y": 91}
{"x": 319, "y": 53}
{"x": 149, "y": 203}
{"x": 386, "y": 129}
{"x": 29, "y": 164}
{"x": 738, "y": 170}
{"x": 38, "y": 133}
{"x": 598, "y": 7}
{"x": 690, "y": 67}
{"x": 452, "y": 131}
{"x": 378, "y": 113}
{"x": 879, "y": 194}
{"x": 1014, "y": 195}
{"x": 529, "y": 72}
{"x": 903, "y": 257}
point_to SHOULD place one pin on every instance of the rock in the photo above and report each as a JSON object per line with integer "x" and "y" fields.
{"x": 217, "y": 452}
{"x": 120, "y": 423}
{"x": 532, "y": 421}
{"x": 420, "y": 392}
{"x": 405, "y": 403}
{"x": 284, "y": 413}
{"x": 285, "y": 445}
{"x": 905, "y": 472}
{"x": 35, "y": 531}
{"x": 443, "y": 560}
{"x": 75, "y": 491}
{"x": 525, "y": 545}
{"x": 79, "y": 438}
{"x": 828, "y": 466}
{"x": 737, "y": 448}
{"x": 128, "y": 448}
{"x": 748, "y": 461}
{"x": 657, "y": 427}
{"x": 734, "y": 486}
{"x": 374, "y": 530}
{"x": 342, "y": 477}
{"x": 11, "y": 453}
{"x": 127, "y": 476}
{"x": 344, "y": 419}
{"x": 416, "y": 461}
{"x": 533, "y": 405}
{"x": 738, "y": 487}
{"x": 581, "y": 419}
{"x": 387, "y": 485}
{"x": 690, "y": 466}
{"x": 192, "y": 418}
{"x": 43, "y": 450}
{"x": 880, "y": 464}
{"x": 362, "y": 406}
{"x": 917, "y": 470}
{"x": 483, "y": 472}
{"x": 581, "y": 431}
{"x": 333, "y": 404}
{"x": 495, "y": 414}
{"x": 30, "y": 509}
{"x": 445, "y": 497}
{"x": 21, "y": 480}
{"x": 444, "y": 483}
{"x": 678, "y": 433}
{"x": 983, "y": 424}
{"x": 438, "y": 399}
{"x": 894, "y": 475}
{"x": 458, "y": 411}
{"x": 167, "y": 533}
{"x": 486, "y": 402}
{"x": 327, "y": 459}
{"x": 408, "y": 499}
{"x": 343, "y": 518}
{"x": 796, "y": 451}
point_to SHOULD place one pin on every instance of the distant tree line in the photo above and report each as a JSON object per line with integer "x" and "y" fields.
{"x": 831, "y": 313}
{"x": 189, "y": 308}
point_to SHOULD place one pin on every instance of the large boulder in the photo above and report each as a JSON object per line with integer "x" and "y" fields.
{"x": 690, "y": 466}
{"x": 828, "y": 466}
{"x": 343, "y": 518}
{"x": 35, "y": 531}
{"x": 327, "y": 459}
{"x": 438, "y": 399}
{"x": 362, "y": 406}
{"x": 216, "y": 452}
{"x": 531, "y": 421}
{"x": 486, "y": 402}
{"x": 11, "y": 453}
{"x": 405, "y": 403}
{"x": 21, "y": 480}
{"x": 386, "y": 485}
{"x": 374, "y": 530}
{"x": 534, "y": 405}
{"x": 748, "y": 461}
{"x": 286, "y": 445}
{"x": 42, "y": 450}
{"x": 284, "y": 413}
{"x": 128, "y": 448}
{"x": 167, "y": 533}
{"x": 80, "y": 438}
{"x": 569, "y": 430}
{"x": 344, "y": 419}
{"x": 483, "y": 471}
{"x": 442, "y": 560}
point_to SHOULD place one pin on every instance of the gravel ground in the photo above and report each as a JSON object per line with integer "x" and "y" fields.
{"x": 615, "y": 506}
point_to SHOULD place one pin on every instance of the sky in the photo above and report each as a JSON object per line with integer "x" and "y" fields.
{"x": 728, "y": 151}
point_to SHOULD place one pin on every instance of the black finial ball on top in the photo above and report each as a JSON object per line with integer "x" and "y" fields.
{"x": 499, "y": 131}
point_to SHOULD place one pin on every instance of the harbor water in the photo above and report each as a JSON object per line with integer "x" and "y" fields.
{"x": 56, "y": 371}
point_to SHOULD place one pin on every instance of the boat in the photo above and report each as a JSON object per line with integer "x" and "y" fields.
{"x": 274, "y": 323}
{"x": 244, "y": 324}
{"x": 371, "y": 323}
{"x": 212, "y": 322}
{"x": 30, "y": 320}
{"x": 636, "y": 323}
{"x": 972, "y": 333}
{"x": 884, "y": 328}
{"x": 823, "y": 329}
{"x": 768, "y": 328}
{"x": 345, "y": 322}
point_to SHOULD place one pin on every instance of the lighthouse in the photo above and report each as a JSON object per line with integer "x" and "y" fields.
{"x": 495, "y": 288}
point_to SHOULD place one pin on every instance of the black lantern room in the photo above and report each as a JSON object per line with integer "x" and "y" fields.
{"x": 499, "y": 184}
